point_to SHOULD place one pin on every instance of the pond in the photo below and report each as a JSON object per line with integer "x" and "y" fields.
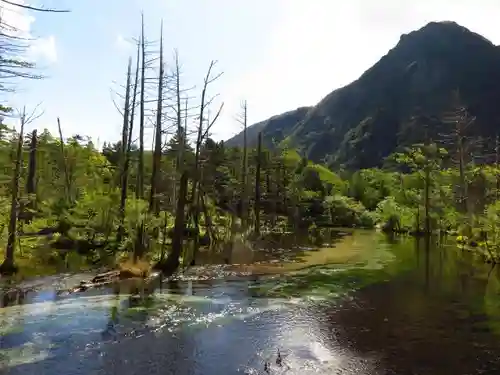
{"x": 355, "y": 304}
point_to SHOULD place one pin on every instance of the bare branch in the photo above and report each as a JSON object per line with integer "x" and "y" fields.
{"x": 211, "y": 123}
{"x": 33, "y": 116}
{"x": 37, "y": 9}
{"x": 215, "y": 78}
{"x": 117, "y": 107}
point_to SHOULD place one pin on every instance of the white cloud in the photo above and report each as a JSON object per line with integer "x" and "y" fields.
{"x": 44, "y": 48}
{"x": 320, "y": 45}
{"x": 122, "y": 44}
{"x": 17, "y": 22}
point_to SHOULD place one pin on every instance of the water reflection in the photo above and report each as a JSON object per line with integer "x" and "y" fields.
{"x": 431, "y": 319}
{"x": 378, "y": 307}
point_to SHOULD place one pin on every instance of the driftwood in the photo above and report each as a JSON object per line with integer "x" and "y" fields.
{"x": 101, "y": 279}
{"x": 107, "y": 278}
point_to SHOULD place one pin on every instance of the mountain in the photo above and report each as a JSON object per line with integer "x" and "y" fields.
{"x": 391, "y": 104}
{"x": 275, "y": 128}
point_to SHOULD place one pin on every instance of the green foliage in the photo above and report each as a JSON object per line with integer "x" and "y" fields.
{"x": 395, "y": 216}
{"x": 346, "y": 212}
{"x": 370, "y": 186}
{"x": 490, "y": 233}
{"x": 80, "y": 210}
{"x": 335, "y": 185}
{"x": 422, "y": 157}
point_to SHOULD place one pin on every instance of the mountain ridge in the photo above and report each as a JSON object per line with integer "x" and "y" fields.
{"x": 358, "y": 125}
{"x": 273, "y": 126}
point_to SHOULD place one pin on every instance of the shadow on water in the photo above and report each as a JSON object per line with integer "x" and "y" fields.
{"x": 360, "y": 304}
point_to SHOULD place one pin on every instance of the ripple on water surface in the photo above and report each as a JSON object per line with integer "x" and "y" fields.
{"x": 213, "y": 325}
{"x": 366, "y": 306}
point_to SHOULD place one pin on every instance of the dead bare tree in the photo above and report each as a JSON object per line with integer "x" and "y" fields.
{"x": 140, "y": 173}
{"x": 144, "y": 63}
{"x": 8, "y": 266}
{"x": 30, "y": 179}
{"x": 132, "y": 111}
{"x": 124, "y": 153}
{"x": 126, "y": 165}
{"x": 243, "y": 211}
{"x": 172, "y": 262}
{"x": 202, "y": 134}
{"x": 460, "y": 122}
{"x": 126, "y": 115}
{"x": 257, "y": 185}
{"x": 64, "y": 164}
{"x": 153, "y": 199}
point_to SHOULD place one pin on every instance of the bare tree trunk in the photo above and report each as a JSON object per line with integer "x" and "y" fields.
{"x": 126, "y": 114}
{"x": 173, "y": 182}
{"x": 153, "y": 199}
{"x": 427, "y": 201}
{"x": 201, "y": 132}
{"x": 139, "y": 192}
{"x": 195, "y": 194}
{"x": 31, "y": 179}
{"x": 172, "y": 262}
{"x": 140, "y": 172}
{"x": 198, "y": 145}
{"x": 67, "y": 180}
{"x": 180, "y": 132}
{"x": 257, "y": 185}
{"x": 139, "y": 242}
{"x": 461, "y": 168}
{"x": 461, "y": 121}
{"x": 30, "y": 182}
{"x": 197, "y": 168}
{"x": 464, "y": 201}
{"x": 244, "y": 177}
{"x": 126, "y": 166}
{"x": 208, "y": 219}
{"x": 271, "y": 197}
{"x": 164, "y": 240}
{"x": 8, "y": 266}
{"x": 124, "y": 154}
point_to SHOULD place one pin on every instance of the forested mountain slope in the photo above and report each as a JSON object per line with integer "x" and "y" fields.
{"x": 277, "y": 127}
{"x": 403, "y": 98}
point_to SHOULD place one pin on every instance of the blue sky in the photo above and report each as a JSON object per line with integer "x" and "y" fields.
{"x": 276, "y": 54}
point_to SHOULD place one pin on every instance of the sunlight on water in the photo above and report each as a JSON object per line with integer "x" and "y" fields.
{"x": 220, "y": 320}
{"x": 49, "y": 325}
{"x": 85, "y": 318}
{"x": 30, "y": 352}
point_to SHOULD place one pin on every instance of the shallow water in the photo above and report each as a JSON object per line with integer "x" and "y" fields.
{"x": 366, "y": 305}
